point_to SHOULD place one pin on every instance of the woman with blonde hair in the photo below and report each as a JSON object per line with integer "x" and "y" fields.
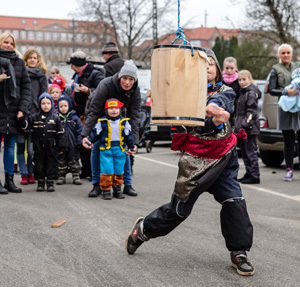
{"x": 37, "y": 71}
{"x": 14, "y": 100}
{"x": 288, "y": 123}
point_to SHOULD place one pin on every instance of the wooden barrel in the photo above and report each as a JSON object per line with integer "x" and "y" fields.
{"x": 178, "y": 85}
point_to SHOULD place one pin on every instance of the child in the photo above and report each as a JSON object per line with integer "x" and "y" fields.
{"x": 230, "y": 78}
{"x": 114, "y": 132}
{"x": 55, "y": 91}
{"x": 247, "y": 118}
{"x": 208, "y": 162}
{"x": 47, "y": 141}
{"x": 72, "y": 125}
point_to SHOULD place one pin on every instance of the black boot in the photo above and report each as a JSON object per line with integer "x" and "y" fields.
{"x": 106, "y": 195}
{"x": 96, "y": 191}
{"x": 118, "y": 192}
{"x": 41, "y": 185}
{"x": 50, "y": 185}
{"x": 128, "y": 189}
{"x": 2, "y": 189}
{"x": 10, "y": 185}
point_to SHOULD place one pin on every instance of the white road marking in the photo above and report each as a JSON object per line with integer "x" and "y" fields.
{"x": 295, "y": 198}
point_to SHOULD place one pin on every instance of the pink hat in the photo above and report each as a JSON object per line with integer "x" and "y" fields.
{"x": 54, "y": 86}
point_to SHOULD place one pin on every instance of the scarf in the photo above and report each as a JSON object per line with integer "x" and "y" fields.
{"x": 10, "y": 85}
{"x": 228, "y": 79}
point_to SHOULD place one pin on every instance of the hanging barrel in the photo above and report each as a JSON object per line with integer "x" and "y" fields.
{"x": 178, "y": 85}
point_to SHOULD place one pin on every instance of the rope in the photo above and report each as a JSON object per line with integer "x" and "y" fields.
{"x": 180, "y": 33}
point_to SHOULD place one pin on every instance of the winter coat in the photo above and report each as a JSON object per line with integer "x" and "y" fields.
{"x": 90, "y": 78}
{"x": 113, "y": 65}
{"x": 47, "y": 129}
{"x": 15, "y": 93}
{"x": 110, "y": 88}
{"x": 246, "y": 114}
{"x": 72, "y": 127}
{"x": 39, "y": 85}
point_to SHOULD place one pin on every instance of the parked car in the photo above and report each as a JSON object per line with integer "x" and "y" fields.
{"x": 270, "y": 139}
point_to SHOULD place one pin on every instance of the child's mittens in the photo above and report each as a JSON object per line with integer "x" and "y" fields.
{"x": 22, "y": 122}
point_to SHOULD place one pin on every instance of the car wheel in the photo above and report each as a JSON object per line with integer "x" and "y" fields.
{"x": 271, "y": 158}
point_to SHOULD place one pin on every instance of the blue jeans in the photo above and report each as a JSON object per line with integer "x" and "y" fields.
{"x": 127, "y": 171}
{"x": 95, "y": 162}
{"x": 9, "y": 152}
{"x": 21, "y": 156}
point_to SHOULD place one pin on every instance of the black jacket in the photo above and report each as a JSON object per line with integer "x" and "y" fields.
{"x": 48, "y": 132}
{"x": 90, "y": 78}
{"x": 39, "y": 85}
{"x": 113, "y": 65}
{"x": 246, "y": 114}
{"x": 111, "y": 88}
{"x": 21, "y": 102}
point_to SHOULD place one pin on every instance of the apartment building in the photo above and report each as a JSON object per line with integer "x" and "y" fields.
{"x": 56, "y": 39}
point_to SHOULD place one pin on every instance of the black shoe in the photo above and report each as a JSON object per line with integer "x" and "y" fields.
{"x": 106, "y": 195}
{"x": 10, "y": 185}
{"x": 41, "y": 185}
{"x": 128, "y": 189}
{"x": 251, "y": 180}
{"x": 2, "y": 189}
{"x": 135, "y": 237}
{"x": 50, "y": 186}
{"x": 246, "y": 175}
{"x": 96, "y": 191}
{"x": 118, "y": 192}
{"x": 240, "y": 262}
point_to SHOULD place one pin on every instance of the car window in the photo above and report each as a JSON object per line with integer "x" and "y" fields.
{"x": 143, "y": 98}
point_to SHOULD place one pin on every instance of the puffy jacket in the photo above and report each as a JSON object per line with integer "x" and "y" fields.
{"x": 113, "y": 65}
{"x": 110, "y": 88}
{"x": 8, "y": 112}
{"x": 246, "y": 114}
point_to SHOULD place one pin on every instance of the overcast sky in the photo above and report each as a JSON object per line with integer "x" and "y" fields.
{"x": 220, "y": 13}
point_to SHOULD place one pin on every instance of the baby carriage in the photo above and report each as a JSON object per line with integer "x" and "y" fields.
{"x": 144, "y": 129}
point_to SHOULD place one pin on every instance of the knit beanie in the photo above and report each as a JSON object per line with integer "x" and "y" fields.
{"x": 129, "y": 69}
{"x": 53, "y": 86}
{"x": 79, "y": 62}
{"x": 110, "y": 48}
{"x": 210, "y": 53}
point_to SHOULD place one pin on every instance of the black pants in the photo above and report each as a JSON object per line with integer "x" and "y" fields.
{"x": 85, "y": 155}
{"x": 289, "y": 137}
{"x": 235, "y": 222}
{"x": 68, "y": 162}
{"x": 249, "y": 154}
{"x": 45, "y": 164}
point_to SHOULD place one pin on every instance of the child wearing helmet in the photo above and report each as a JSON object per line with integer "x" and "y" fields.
{"x": 114, "y": 133}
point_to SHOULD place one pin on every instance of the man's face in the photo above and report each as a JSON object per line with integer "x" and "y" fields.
{"x": 126, "y": 83}
{"x": 76, "y": 68}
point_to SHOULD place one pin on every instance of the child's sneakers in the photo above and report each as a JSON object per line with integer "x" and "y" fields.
{"x": 106, "y": 195}
{"x": 41, "y": 185}
{"x": 241, "y": 263}
{"x": 289, "y": 175}
{"x": 24, "y": 179}
{"x": 50, "y": 186}
{"x": 118, "y": 192}
{"x": 135, "y": 237}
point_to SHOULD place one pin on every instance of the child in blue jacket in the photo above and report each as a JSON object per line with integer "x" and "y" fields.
{"x": 68, "y": 161}
{"x": 114, "y": 133}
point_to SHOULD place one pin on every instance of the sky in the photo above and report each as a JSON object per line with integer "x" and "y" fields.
{"x": 220, "y": 13}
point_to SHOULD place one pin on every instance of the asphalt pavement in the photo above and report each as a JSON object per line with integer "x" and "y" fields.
{"x": 89, "y": 249}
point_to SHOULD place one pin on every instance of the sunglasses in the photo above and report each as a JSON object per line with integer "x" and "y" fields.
{"x": 55, "y": 73}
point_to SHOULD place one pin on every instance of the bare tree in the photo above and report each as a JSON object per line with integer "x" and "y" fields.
{"x": 277, "y": 20}
{"x": 127, "y": 22}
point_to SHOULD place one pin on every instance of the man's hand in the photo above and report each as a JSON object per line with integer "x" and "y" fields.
{"x": 82, "y": 89}
{"x": 131, "y": 152}
{"x": 86, "y": 143}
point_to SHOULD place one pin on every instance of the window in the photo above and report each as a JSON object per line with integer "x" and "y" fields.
{"x": 30, "y": 35}
{"x": 70, "y": 37}
{"x": 34, "y": 22}
{"x": 23, "y": 35}
{"x": 79, "y": 37}
{"x": 23, "y": 21}
{"x": 55, "y": 36}
{"x": 16, "y": 34}
{"x": 39, "y": 35}
{"x": 23, "y": 49}
{"x": 63, "y": 36}
{"x": 196, "y": 43}
{"x": 47, "y": 36}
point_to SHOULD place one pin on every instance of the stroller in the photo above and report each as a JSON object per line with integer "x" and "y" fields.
{"x": 144, "y": 129}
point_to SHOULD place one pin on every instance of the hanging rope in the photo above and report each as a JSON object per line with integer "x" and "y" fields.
{"x": 180, "y": 33}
